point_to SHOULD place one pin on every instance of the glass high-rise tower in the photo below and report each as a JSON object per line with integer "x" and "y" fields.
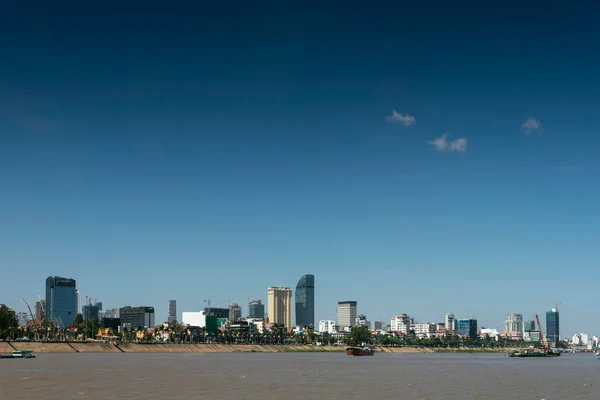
{"x": 305, "y": 301}
{"x": 61, "y": 300}
{"x": 552, "y": 327}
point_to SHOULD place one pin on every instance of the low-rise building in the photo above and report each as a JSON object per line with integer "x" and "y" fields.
{"x": 327, "y": 326}
{"x": 425, "y": 330}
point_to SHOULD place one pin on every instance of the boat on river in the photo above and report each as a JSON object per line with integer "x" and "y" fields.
{"x": 19, "y": 354}
{"x": 534, "y": 353}
{"x": 360, "y": 351}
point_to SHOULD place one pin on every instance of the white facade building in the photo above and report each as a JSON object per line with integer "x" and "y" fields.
{"x": 400, "y": 323}
{"x": 425, "y": 330}
{"x": 580, "y": 339}
{"x": 327, "y": 326}
{"x": 346, "y": 313}
{"x": 493, "y": 333}
{"x": 450, "y": 322}
{"x": 195, "y": 318}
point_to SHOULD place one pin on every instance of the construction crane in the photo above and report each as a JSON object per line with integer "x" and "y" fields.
{"x": 541, "y": 333}
{"x": 32, "y": 317}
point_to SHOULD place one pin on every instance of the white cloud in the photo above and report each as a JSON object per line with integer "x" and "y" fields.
{"x": 441, "y": 144}
{"x": 397, "y": 118}
{"x": 459, "y": 145}
{"x": 531, "y": 125}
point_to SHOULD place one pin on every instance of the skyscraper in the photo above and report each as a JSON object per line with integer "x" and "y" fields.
{"x": 513, "y": 323}
{"x": 61, "y": 300}
{"x": 346, "y": 314}
{"x": 256, "y": 309}
{"x": 552, "y": 327}
{"x": 305, "y": 301}
{"x": 172, "y": 311}
{"x": 40, "y": 310}
{"x": 235, "y": 312}
{"x": 450, "y": 322}
{"x": 280, "y": 305}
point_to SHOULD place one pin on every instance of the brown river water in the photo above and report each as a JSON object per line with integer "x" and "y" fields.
{"x": 299, "y": 376}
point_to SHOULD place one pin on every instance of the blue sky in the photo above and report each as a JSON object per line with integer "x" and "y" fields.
{"x": 213, "y": 152}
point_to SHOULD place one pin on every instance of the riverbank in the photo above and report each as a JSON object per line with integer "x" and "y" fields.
{"x": 98, "y": 347}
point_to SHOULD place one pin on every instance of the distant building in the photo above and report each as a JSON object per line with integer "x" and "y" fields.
{"x": 552, "y": 328}
{"x": 513, "y": 323}
{"x": 256, "y": 309}
{"x": 219, "y": 312}
{"x": 581, "y": 339}
{"x": 531, "y": 336}
{"x": 137, "y": 317}
{"x": 327, "y": 326}
{"x": 489, "y": 332}
{"x": 361, "y": 320}
{"x": 450, "y": 322}
{"x": 111, "y": 323}
{"x": 377, "y": 325}
{"x": 235, "y": 312}
{"x": 466, "y": 327}
{"x": 400, "y": 323}
{"x": 194, "y": 318}
{"x": 529, "y": 326}
{"x": 99, "y": 305}
{"x": 280, "y": 306}
{"x": 89, "y": 312}
{"x": 22, "y": 318}
{"x": 305, "y": 301}
{"x": 346, "y": 314}
{"x": 172, "y": 316}
{"x": 425, "y": 330}
{"x": 40, "y": 310}
{"x": 61, "y": 300}
{"x": 110, "y": 313}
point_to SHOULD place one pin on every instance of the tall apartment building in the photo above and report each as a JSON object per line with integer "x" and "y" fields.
{"x": 346, "y": 314}
{"x": 450, "y": 322}
{"x": 172, "y": 316}
{"x": 529, "y": 326}
{"x": 137, "y": 317}
{"x": 61, "y": 300}
{"x": 400, "y": 323}
{"x": 280, "y": 305}
{"x": 235, "y": 312}
{"x": 513, "y": 323}
{"x": 305, "y": 301}
{"x": 256, "y": 309}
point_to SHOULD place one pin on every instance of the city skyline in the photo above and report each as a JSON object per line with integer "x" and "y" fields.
{"x": 444, "y": 152}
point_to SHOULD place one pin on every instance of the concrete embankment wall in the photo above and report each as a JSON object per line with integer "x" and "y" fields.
{"x": 95, "y": 348}
{"x": 38, "y": 347}
{"x": 5, "y": 348}
{"x": 218, "y": 348}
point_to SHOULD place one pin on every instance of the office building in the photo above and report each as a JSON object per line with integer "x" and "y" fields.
{"x": 40, "y": 310}
{"x": 61, "y": 300}
{"x": 513, "y": 323}
{"x": 377, "y": 325}
{"x": 280, "y": 306}
{"x": 89, "y": 312}
{"x": 450, "y": 323}
{"x": 99, "y": 305}
{"x": 137, "y": 317}
{"x": 346, "y": 314}
{"x": 327, "y": 326}
{"x": 235, "y": 312}
{"x": 552, "y": 328}
{"x": 400, "y": 323}
{"x": 425, "y": 330}
{"x": 529, "y": 326}
{"x": 305, "y": 301}
{"x": 466, "y": 327}
{"x": 172, "y": 316}
{"x": 256, "y": 309}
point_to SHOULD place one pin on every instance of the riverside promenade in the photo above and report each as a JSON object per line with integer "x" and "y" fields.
{"x": 99, "y": 347}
